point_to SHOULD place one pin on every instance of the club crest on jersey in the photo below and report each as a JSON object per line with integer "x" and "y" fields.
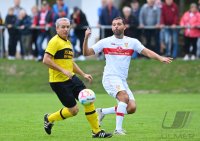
{"x": 126, "y": 45}
{"x": 118, "y": 87}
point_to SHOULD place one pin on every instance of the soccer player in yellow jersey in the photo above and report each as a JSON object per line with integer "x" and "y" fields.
{"x": 63, "y": 81}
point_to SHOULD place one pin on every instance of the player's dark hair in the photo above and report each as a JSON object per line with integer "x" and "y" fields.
{"x": 120, "y": 18}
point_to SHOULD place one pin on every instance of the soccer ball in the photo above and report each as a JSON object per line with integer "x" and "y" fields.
{"x": 86, "y": 97}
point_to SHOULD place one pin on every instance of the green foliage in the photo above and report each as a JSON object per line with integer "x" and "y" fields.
{"x": 145, "y": 76}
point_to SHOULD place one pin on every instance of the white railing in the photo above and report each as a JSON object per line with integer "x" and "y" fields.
{"x": 102, "y": 28}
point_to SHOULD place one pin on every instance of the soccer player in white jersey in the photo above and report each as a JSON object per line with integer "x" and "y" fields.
{"x": 118, "y": 50}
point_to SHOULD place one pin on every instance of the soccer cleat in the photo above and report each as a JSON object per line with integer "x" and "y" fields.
{"x": 47, "y": 124}
{"x": 102, "y": 134}
{"x": 120, "y": 132}
{"x": 100, "y": 115}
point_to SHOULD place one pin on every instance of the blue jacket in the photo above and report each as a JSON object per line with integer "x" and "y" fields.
{"x": 105, "y": 18}
{"x": 26, "y": 21}
{"x": 56, "y": 11}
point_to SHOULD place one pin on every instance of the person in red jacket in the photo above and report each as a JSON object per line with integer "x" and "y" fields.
{"x": 169, "y": 17}
{"x": 191, "y": 19}
{"x": 44, "y": 20}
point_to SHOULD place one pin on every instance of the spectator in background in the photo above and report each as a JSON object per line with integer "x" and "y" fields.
{"x": 150, "y": 16}
{"x": 100, "y": 9}
{"x": 10, "y": 23}
{"x": 99, "y": 12}
{"x": 108, "y": 14}
{"x": 158, "y": 3}
{"x": 17, "y": 9}
{"x": 169, "y": 17}
{"x": 35, "y": 13}
{"x": 60, "y": 9}
{"x": 198, "y": 41}
{"x": 24, "y": 24}
{"x": 79, "y": 22}
{"x": 199, "y": 5}
{"x": 2, "y": 39}
{"x": 191, "y": 19}
{"x": 135, "y": 6}
{"x": 130, "y": 21}
{"x": 44, "y": 21}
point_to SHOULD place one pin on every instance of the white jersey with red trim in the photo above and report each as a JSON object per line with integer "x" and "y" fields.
{"x": 118, "y": 54}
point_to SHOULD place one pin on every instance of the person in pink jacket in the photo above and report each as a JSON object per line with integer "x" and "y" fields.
{"x": 191, "y": 19}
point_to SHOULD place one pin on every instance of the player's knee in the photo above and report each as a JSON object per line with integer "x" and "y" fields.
{"x": 131, "y": 110}
{"x": 74, "y": 111}
{"x": 123, "y": 97}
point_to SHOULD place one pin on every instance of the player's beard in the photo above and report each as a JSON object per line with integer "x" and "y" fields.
{"x": 117, "y": 32}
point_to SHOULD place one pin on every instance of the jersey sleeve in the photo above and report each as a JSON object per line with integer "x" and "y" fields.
{"x": 138, "y": 47}
{"x": 98, "y": 47}
{"x": 51, "y": 48}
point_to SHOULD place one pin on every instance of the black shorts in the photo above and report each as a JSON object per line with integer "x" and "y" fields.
{"x": 68, "y": 91}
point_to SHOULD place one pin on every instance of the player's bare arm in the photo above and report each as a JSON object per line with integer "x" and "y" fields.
{"x": 77, "y": 70}
{"x": 87, "y": 51}
{"x": 47, "y": 60}
{"x": 153, "y": 55}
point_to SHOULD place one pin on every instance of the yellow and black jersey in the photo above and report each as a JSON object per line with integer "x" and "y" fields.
{"x": 62, "y": 53}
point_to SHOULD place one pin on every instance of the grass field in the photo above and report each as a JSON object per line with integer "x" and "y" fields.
{"x": 22, "y": 118}
{"x": 145, "y": 76}
{"x": 25, "y": 96}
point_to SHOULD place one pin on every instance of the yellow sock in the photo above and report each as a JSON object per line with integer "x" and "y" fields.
{"x": 91, "y": 116}
{"x": 60, "y": 115}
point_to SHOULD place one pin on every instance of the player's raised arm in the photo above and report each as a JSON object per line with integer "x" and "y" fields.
{"x": 87, "y": 51}
{"x": 153, "y": 55}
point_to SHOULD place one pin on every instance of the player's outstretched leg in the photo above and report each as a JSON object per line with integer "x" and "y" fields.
{"x": 47, "y": 125}
{"x": 100, "y": 115}
{"x": 49, "y": 119}
{"x": 92, "y": 118}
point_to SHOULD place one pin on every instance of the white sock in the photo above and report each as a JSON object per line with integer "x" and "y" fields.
{"x": 111, "y": 110}
{"x": 121, "y": 109}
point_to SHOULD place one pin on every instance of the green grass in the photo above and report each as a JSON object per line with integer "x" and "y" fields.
{"x": 22, "y": 118}
{"x": 25, "y": 96}
{"x": 145, "y": 76}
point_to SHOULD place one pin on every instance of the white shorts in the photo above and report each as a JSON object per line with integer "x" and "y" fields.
{"x": 114, "y": 84}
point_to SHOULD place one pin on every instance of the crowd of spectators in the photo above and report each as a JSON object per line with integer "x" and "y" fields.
{"x": 157, "y": 24}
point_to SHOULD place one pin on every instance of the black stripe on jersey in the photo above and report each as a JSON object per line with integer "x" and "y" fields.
{"x": 65, "y": 53}
{"x": 49, "y": 53}
{"x": 90, "y": 113}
